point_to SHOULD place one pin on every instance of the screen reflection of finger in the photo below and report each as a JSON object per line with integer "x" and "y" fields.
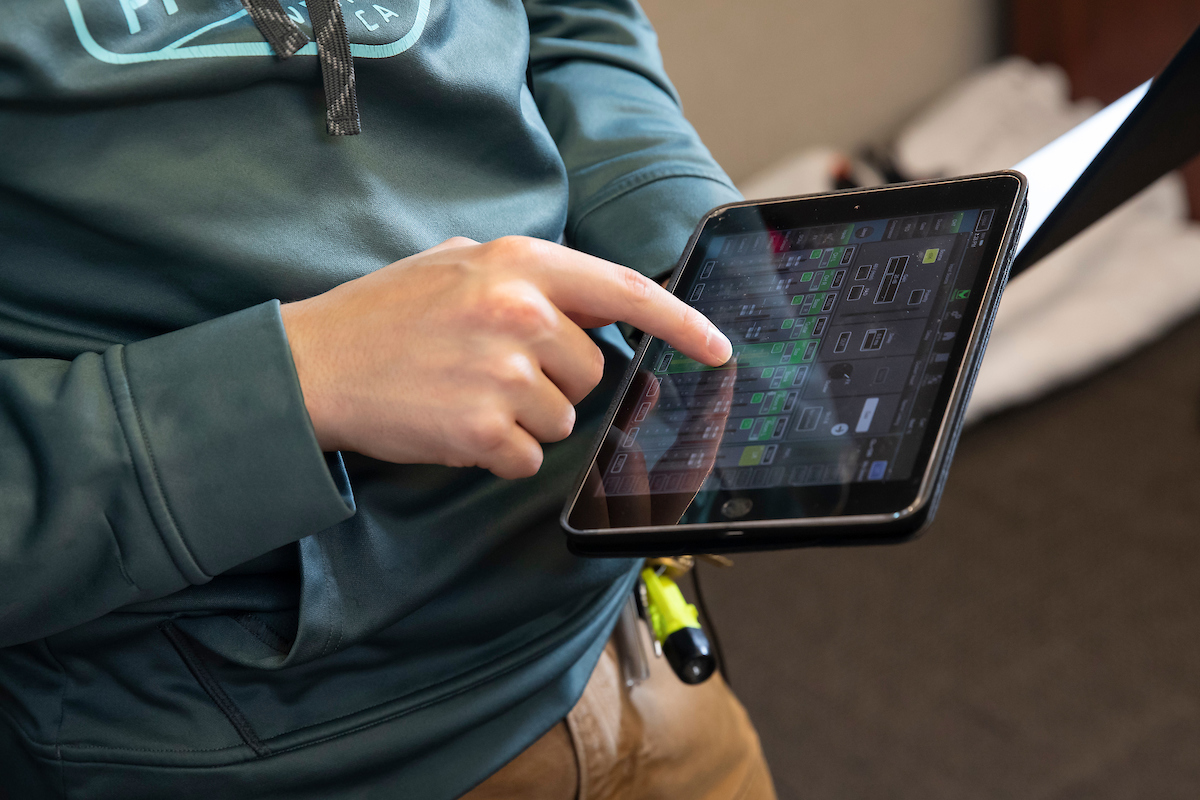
{"x": 695, "y": 447}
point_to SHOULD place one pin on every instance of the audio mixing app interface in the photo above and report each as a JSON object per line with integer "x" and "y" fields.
{"x": 842, "y": 336}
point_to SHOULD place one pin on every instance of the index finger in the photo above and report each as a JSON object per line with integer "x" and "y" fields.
{"x": 583, "y": 284}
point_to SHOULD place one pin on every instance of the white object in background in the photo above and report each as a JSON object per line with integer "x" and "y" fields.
{"x": 990, "y": 120}
{"x": 1115, "y": 287}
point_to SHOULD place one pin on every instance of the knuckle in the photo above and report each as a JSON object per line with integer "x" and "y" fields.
{"x": 458, "y": 241}
{"x": 511, "y": 248}
{"x": 557, "y": 425}
{"x": 463, "y": 270}
{"x": 514, "y": 371}
{"x": 519, "y": 310}
{"x": 594, "y": 368}
{"x": 565, "y": 423}
{"x": 486, "y": 432}
{"x": 640, "y": 288}
{"x": 527, "y": 463}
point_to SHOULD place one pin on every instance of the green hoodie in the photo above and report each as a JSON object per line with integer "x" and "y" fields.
{"x": 194, "y": 600}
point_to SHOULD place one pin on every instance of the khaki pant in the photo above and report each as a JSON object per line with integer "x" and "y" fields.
{"x": 658, "y": 739}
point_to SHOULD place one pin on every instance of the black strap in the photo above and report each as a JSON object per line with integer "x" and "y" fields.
{"x": 280, "y": 31}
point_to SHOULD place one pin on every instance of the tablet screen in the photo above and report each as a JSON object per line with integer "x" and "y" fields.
{"x": 841, "y": 336}
{"x": 849, "y": 317}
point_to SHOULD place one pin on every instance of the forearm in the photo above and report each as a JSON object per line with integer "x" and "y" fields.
{"x": 131, "y": 474}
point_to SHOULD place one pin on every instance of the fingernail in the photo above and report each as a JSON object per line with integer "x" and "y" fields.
{"x": 718, "y": 344}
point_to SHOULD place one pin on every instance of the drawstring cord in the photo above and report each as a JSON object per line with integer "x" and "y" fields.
{"x": 284, "y": 36}
{"x": 337, "y": 67}
{"x": 333, "y": 51}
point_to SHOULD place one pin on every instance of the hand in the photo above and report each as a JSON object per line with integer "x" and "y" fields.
{"x": 471, "y": 354}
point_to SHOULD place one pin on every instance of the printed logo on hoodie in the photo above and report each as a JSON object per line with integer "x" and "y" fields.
{"x": 132, "y": 31}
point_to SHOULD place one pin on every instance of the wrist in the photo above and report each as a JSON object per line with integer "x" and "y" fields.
{"x": 300, "y": 325}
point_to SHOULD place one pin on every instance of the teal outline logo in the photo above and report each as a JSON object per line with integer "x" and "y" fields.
{"x": 180, "y": 48}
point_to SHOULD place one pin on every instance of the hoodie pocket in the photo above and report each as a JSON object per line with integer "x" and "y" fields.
{"x": 200, "y": 671}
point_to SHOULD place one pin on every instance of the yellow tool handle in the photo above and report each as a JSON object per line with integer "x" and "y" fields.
{"x": 668, "y": 609}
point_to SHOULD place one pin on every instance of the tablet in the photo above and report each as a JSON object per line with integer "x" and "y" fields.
{"x": 858, "y": 320}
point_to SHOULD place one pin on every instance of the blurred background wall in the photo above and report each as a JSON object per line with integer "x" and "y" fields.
{"x": 763, "y": 78}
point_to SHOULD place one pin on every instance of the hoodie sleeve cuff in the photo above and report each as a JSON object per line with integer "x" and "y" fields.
{"x": 647, "y": 227}
{"x": 225, "y": 453}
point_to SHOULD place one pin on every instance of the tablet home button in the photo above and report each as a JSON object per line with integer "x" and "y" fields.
{"x": 737, "y": 507}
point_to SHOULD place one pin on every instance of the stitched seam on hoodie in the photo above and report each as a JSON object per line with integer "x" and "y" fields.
{"x": 208, "y": 683}
{"x": 341, "y": 734}
{"x": 407, "y": 711}
{"x": 153, "y": 494}
{"x": 62, "y": 715}
{"x": 137, "y": 414}
{"x": 120, "y": 553}
{"x": 540, "y": 653}
{"x": 260, "y": 630}
{"x": 328, "y": 581}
